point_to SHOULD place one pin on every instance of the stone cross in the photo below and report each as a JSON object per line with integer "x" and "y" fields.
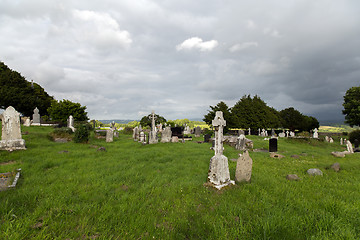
{"x": 249, "y": 132}
{"x": 218, "y": 174}
{"x": 11, "y": 138}
{"x": 259, "y": 132}
{"x": 152, "y": 134}
{"x": 153, "y": 117}
{"x": 287, "y": 133}
{"x": 219, "y": 123}
{"x": 71, "y": 123}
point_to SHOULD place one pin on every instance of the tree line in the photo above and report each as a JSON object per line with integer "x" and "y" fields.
{"x": 25, "y": 96}
{"x": 253, "y": 112}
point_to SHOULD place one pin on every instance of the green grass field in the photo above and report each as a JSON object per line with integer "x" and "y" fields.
{"x": 156, "y": 191}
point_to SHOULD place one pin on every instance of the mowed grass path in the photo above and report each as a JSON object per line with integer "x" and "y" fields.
{"x": 156, "y": 191}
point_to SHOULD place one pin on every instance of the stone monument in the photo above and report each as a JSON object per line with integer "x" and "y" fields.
{"x": 136, "y": 133}
{"x": 109, "y": 135}
{"x": 166, "y": 135}
{"x": 349, "y": 147}
{"x": 197, "y": 131}
{"x": 315, "y": 134}
{"x": 70, "y": 123}
{"x": 273, "y": 144}
{"x": 152, "y": 134}
{"x": 11, "y": 138}
{"x": 243, "y": 168}
{"x": 36, "y": 117}
{"x": 240, "y": 142}
{"x": 219, "y": 175}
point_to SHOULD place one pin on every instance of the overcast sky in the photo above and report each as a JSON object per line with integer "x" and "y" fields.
{"x": 124, "y": 58}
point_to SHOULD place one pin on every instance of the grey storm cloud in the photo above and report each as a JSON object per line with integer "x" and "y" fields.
{"x": 123, "y": 59}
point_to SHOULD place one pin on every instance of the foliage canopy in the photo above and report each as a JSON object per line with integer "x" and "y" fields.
{"x": 146, "y": 120}
{"x": 61, "y": 110}
{"x": 352, "y": 106}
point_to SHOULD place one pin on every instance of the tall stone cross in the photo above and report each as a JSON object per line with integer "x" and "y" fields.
{"x": 153, "y": 117}
{"x": 219, "y": 123}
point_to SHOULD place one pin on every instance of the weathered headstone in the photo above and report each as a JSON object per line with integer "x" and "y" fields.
{"x": 219, "y": 175}
{"x": 70, "y": 123}
{"x": 273, "y": 134}
{"x": 11, "y": 138}
{"x": 249, "y": 133}
{"x": 331, "y": 140}
{"x": 259, "y": 132}
{"x": 263, "y": 133}
{"x": 207, "y": 137}
{"x": 187, "y": 130}
{"x": 282, "y": 134}
{"x": 142, "y": 137}
{"x": 287, "y": 133}
{"x": 152, "y": 134}
{"x": 109, "y": 135}
{"x": 197, "y": 131}
{"x": 174, "y": 139}
{"x": 327, "y": 139}
{"x": 240, "y": 143}
{"x": 341, "y": 141}
{"x": 292, "y": 134}
{"x": 136, "y": 133}
{"x": 315, "y": 134}
{"x": 27, "y": 122}
{"x": 243, "y": 168}
{"x": 273, "y": 145}
{"x": 349, "y": 147}
{"x": 36, "y": 117}
{"x": 166, "y": 135}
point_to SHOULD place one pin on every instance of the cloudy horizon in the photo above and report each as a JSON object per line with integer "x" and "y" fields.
{"x": 123, "y": 59}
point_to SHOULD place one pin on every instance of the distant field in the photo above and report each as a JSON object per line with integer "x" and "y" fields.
{"x": 337, "y": 129}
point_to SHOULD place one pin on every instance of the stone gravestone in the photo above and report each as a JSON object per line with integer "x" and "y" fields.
{"x": 197, "y": 131}
{"x": 219, "y": 175}
{"x": 292, "y": 134}
{"x": 70, "y": 123}
{"x": 243, "y": 168}
{"x": 240, "y": 142}
{"x": 259, "y": 132}
{"x": 142, "y": 137}
{"x": 136, "y": 134}
{"x": 349, "y": 147}
{"x": 152, "y": 134}
{"x": 341, "y": 141}
{"x": 11, "y": 138}
{"x": 36, "y": 117}
{"x": 166, "y": 135}
{"x": 273, "y": 134}
{"x": 326, "y": 139}
{"x": 272, "y": 145}
{"x": 315, "y": 134}
{"x": 27, "y": 122}
{"x": 282, "y": 134}
{"x": 110, "y": 135}
{"x": 287, "y": 133}
{"x": 331, "y": 140}
{"x": 249, "y": 133}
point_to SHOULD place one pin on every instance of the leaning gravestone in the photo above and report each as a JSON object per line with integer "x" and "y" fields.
{"x": 11, "y": 138}
{"x": 219, "y": 175}
{"x": 36, "y": 117}
{"x": 110, "y": 135}
{"x": 166, "y": 135}
{"x": 197, "y": 131}
{"x": 243, "y": 168}
{"x": 272, "y": 145}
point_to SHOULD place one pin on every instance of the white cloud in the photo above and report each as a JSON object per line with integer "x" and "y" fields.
{"x": 197, "y": 43}
{"x": 99, "y": 29}
{"x": 242, "y": 46}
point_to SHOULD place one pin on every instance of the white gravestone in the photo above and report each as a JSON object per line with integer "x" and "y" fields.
{"x": 11, "y": 138}
{"x": 36, "y": 117}
{"x": 315, "y": 134}
{"x": 282, "y": 134}
{"x": 136, "y": 134}
{"x": 166, "y": 135}
{"x": 152, "y": 134}
{"x": 219, "y": 175}
{"x": 249, "y": 133}
{"x": 70, "y": 123}
{"x": 27, "y": 122}
{"x": 349, "y": 147}
{"x": 259, "y": 132}
{"x": 287, "y": 133}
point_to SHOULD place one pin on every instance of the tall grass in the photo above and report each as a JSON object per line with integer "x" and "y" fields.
{"x": 134, "y": 191}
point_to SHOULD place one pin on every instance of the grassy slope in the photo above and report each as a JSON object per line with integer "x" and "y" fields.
{"x": 133, "y": 191}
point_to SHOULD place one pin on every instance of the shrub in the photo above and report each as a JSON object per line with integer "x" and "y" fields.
{"x": 82, "y": 134}
{"x": 128, "y": 130}
{"x": 63, "y": 132}
{"x": 304, "y": 134}
{"x": 354, "y": 135}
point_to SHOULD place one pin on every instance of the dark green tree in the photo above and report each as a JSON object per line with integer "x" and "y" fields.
{"x": 146, "y": 121}
{"x": 254, "y": 113}
{"x": 61, "y": 110}
{"x": 352, "y": 106}
{"x": 24, "y": 96}
{"x": 295, "y": 120}
{"x": 221, "y": 106}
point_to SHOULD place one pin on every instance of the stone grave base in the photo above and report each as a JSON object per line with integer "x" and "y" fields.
{"x": 9, "y": 179}
{"x": 219, "y": 175}
{"x": 18, "y": 144}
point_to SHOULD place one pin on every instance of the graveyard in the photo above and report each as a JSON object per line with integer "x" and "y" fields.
{"x": 122, "y": 189}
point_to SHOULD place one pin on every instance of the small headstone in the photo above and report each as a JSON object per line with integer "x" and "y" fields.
{"x": 197, "y": 131}
{"x": 109, "y": 135}
{"x": 273, "y": 132}
{"x": 142, "y": 137}
{"x": 314, "y": 172}
{"x": 272, "y": 145}
{"x": 331, "y": 140}
{"x": 27, "y": 122}
{"x": 240, "y": 143}
{"x": 349, "y": 147}
{"x": 292, "y": 177}
{"x": 315, "y": 134}
{"x": 292, "y": 134}
{"x": 11, "y": 138}
{"x": 174, "y": 139}
{"x": 243, "y": 168}
{"x": 341, "y": 141}
{"x": 136, "y": 133}
{"x": 287, "y": 133}
{"x": 259, "y": 132}
{"x": 207, "y": 137}
{"x": 36, "y": 117}
{"x": 249, "y": 131}
{"x": 327, "y": 139}
{"x": 166, "y": 135}
{"x": 263, "y": 133}
{"x": 116, "y": 134}
{"x": 282, "y": 134}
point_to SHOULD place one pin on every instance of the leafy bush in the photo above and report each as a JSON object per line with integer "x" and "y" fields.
{"x": 128, "y": 130}
{"x": 82, "y": 134}
{"x": 354, "y": 135}
{"x": 303, "y": 134}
